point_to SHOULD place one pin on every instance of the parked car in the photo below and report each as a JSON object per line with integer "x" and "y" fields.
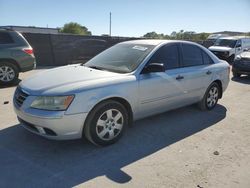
{"x": 126, "y": 82}
{"x": 241, "y": 65}
{"x": 227, "y": 48}
{"x": 16, "y": 55}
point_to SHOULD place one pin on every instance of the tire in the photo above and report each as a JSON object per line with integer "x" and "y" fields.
{"x": 8, "y": 73}
{"x": 236, "y": 75}
{"x": 106, "y": 123}
{"x": 211, "y": 97}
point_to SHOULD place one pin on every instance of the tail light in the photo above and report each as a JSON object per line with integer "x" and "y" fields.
{"x": 28, "y": 51}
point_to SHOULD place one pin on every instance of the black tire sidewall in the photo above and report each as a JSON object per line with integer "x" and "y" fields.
{"x": 94, "y": 116}
{"x": 14, "y": 67}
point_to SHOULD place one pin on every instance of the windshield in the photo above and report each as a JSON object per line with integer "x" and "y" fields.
{"x": 121, "y": 58}
{"x": 225, "y": 42}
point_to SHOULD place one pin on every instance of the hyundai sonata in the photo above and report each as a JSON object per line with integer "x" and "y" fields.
{"x": 126, "y": 82}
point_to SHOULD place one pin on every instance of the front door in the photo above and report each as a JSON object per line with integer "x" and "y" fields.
{"x": 161, "y": 91}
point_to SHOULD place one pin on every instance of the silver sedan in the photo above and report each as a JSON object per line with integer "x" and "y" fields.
{"x": 126, "y": 82}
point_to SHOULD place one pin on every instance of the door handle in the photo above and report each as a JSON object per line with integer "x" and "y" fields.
{"x": 208, "y": 72}
{"x": 179, "y": 77}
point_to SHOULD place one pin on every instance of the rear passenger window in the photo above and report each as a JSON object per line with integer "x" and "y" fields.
{"x": 168, "y": 55}
{"x": 191, "y": 55}
{"x": 206, "y": 59}
{"x": 5, "y": 38}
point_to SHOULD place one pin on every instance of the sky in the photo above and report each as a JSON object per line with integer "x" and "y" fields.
{"x": 131, "y": 18}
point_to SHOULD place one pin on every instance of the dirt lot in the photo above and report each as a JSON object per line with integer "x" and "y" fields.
{"x": 174, "y": 149}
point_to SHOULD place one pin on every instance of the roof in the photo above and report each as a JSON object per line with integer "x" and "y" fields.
{"x": 32, "y": 27}
{"x": 155, "y": 42}
{"x": 235, "y": 37}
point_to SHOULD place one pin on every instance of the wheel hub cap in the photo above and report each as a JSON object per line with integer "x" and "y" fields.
{"x": 6, "y": 74}
{"x": 212, "y": 97}
{"x": 109, "y": 124}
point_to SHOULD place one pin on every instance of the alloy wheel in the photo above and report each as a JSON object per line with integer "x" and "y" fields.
{"x": 109, "y": 124}
{"x": 7, "y": 73}
{"x": 212, "y": 97}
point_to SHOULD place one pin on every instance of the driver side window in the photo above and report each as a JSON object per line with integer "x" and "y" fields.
{"x": 167, "y": 55}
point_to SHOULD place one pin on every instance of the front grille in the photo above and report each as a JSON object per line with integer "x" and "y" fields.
{"x": 20, "y": 96}
{"x": 220, "y": 55}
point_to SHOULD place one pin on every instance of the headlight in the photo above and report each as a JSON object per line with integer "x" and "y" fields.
{"x": 238, "y": 57}
{"x": 52, "y": 102}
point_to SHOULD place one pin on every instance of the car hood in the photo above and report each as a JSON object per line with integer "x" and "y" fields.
{"x": 70, "y": 79}
{"x": 219, "y": 48}
{"x": 245, "y": 55}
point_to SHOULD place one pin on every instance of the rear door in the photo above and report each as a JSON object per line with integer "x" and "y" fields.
{"x": 195, "y": 70}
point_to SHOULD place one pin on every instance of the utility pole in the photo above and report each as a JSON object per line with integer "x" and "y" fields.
{"x": 110, "y": 24}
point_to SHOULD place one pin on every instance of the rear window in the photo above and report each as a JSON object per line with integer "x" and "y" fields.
{"x": 191, "y": 55}
{"x": 206, "y": 59}
{"x": 5, "y": 38}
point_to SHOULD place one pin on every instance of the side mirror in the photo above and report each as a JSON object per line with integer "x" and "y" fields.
{"x": 153, "y": 67}
{"x": 245, "y": 49}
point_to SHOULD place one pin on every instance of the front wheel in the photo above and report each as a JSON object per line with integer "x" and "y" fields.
{"x": 106, "y": 122}
{"x": 211, "y": 97}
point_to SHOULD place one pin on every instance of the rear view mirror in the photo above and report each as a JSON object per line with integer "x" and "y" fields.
{"x": 153, "y": 67}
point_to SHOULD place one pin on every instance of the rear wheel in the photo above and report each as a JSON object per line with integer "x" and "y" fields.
{"x": 106, "y": 122}
{"x": 8, "y": 73}
{"x": 211, "y": 97}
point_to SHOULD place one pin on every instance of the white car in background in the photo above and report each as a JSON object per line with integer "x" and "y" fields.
{"x": 227, "y": 48}
{"x": 126, "y": 82}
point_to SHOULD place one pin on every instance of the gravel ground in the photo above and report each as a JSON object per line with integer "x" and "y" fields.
{"x": 180, "y": 148}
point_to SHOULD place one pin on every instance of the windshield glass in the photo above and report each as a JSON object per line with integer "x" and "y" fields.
{"x": 225, "y": 42}
{"x": 121, "y": 58}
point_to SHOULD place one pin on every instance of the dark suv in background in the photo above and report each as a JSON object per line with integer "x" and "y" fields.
{"x": 241, "y": 64}
{"x": 16, "y": 55}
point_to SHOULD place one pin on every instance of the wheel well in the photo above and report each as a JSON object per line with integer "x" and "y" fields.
{"x": 124, "y": 102}
{"x": 12, "y": 61}
{"x": 220, "y": 85}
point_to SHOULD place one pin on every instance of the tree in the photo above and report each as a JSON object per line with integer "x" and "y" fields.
{"x": 75, "y": 28}
{"x": 152, "y": 35}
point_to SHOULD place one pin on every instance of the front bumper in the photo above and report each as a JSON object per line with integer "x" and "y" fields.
{"x": 241, "y": 67}
{"x": 59, "y": 127}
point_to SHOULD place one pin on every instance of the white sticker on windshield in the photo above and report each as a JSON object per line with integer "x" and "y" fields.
{"x": 141, "y": 48}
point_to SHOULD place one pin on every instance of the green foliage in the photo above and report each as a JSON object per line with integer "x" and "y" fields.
{"x": 75, "y": 28}
{"x": 181, "y": 35}
{"x": 152, "y": 35}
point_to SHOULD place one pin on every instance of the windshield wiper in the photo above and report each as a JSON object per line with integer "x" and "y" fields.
{"x": 94, "y": 67}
